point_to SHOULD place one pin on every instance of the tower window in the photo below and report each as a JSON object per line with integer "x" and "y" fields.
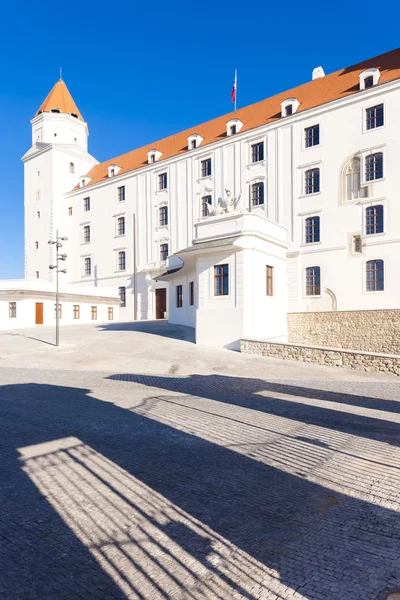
{"x": 74, "y": 115}
{"x": 55, "y": 110}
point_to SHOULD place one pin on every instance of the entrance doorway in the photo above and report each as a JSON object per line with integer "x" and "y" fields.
{"x": 39, "y": 313}
{"x": 161, "y": 303}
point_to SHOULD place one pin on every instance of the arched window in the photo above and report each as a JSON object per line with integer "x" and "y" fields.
{"x": 313, "y": 281}
{"x": 257, "y": 194}
{"x": 374, "y": 166}
{"x": 71, "y": 167}
{"x": 311, "y": 181}
{"x": 352, "y": 189}
{"x": 375, "y": 276}
{"x": 312, "y": 230}
{"x": 374, "y": 219}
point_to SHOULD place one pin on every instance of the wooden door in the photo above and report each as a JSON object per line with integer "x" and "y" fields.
{"x": 161, "y": 302}
{"x": 39, "y": 313}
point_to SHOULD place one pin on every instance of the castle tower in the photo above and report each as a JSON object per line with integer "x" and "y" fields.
{"x": 52, "y": 166}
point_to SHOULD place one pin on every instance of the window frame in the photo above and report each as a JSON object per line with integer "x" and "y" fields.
{"x": 93, "y": 313}
{"x": 121, "y": 260}
{"x": 314, "y": 285}
{"x": 206, "y": 167}
{"x": 311, "y": 186}
{"x": 205, "y": 203}
{"x": 12, "y": 310}
{"x": 376, "y": 280}
{"x": 86, "y": 234}
{"x": 375, "y": 223}
{"x": 221, "y": 280}
{"x": 368, "y": 171}
{"x": 163, "y": 215}
{"x": 257, "y": 185}
{"x": 87, "y": 260}
{"x": 76, "y": 312}
{"x": 179, "y": 295}
{"x": 122, "y": 296}
{"x": 121, "y": 195}
{"x": 255, "y": 152}
{"x": 162, "y": 179}
{"x": 86, "y": 204}
{"x": 121, "y": 230}
{"x": 269, "y": 276}
{"x": 164, "y": 251}
{"x": 312, "y": 136}
{"x": 191, "y": 293}
{"x": 110, "y": 313}
{"x": 371, "y": 122}
{"x": 59, "y": 310}
{"x": 312, "y": 232}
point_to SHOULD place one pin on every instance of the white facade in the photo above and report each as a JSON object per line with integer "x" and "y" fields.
{"x": 343, "y": 139}
{"x": 26, "y": 303}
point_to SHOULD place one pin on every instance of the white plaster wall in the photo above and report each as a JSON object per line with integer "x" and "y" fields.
{"x": 185, "y": 315}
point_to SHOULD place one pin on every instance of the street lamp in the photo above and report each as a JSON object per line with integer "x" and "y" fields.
{"x": 59, "y": 257}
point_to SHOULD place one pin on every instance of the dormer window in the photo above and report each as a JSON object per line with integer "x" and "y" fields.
{"x": 84, "y": 181}
{"x": 74, "y": 115}
{"x": 113, "y": 170}
{"x": 71, "y": 167}
{"x": 233, "y": 127}
{"x": 369, "y": 78}
{"x": 153, "y": 156}
{"x": 55, "y": 110}
{"x": 289, "y": 107}
{"x": 194, "y": 141}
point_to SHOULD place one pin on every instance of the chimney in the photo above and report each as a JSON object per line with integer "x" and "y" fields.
{"x": 317, "y": 73}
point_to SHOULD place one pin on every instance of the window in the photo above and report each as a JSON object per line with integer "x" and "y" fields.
{"x": 12, "y": 310}
{"x": 311, "y": 181}
{"x": 289, "y": 110}
{"x": 87, "y": 266}
{"x": 374, "y": 219}
{"x": 221, "y": 280}
{"x": 193, "y": 144}
{"x": 374, "y": 117}
{"x": 38, "y": 195}
{"x": 232, "y": 129}
{"x": 313, "y": 282}
{"x": 121, "y": 226}
{"x": 122, "y": 296}
{"x": 121, "y": 260}
{"x": 311, "y": 136}
{"x": 357, "y": 244}
{"x": 70, "y": 211}
{"x": 206, "y": 167}
{"x": 76, "y": 310}
{"x": 270, "y": 280}
{"x": 312, "y": 230}
{"x": 36, "y": 245}
{"x": 257, "y": 152}
{"x": 162, "y": 181}
{"x": 110, "y": 313}
{"x": 163, "y": 252}
{"x": 163, "y": 216}
{"x": 94, "y": 312}
{"x": 86, "y": 204}
{"x": 179, "y": 294}
{"x": 86, "y": 233}
{"x": 121, "y": 193}
{"x": 368, "y": 82}
{"x": 37, "y": 274}
{"x": 59, "y": 311}
{"x": 152, "y": 158}
{"x": 374, "y": 166}
{"x": 375, "y": 276}
{"x": 38, "y": 214}
{"x": 112, "y": 172}
{"x": 353, "y": 190}
{"x": 257, "y": 194}
{"x": 206, "y": 202}
{"x": 191, "y": 293}
{"x": 71, "y": 167}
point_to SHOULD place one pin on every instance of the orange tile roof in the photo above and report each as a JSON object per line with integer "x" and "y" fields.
{"x": 59, "y": 97}
{"x": 310, "y": 95}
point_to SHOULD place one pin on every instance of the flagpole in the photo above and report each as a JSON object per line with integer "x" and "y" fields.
{"x": 236, "y": 87}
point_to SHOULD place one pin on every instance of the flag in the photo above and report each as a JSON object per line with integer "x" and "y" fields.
{"x": 233, "y": 92}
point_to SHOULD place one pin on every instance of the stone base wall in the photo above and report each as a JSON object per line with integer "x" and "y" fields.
{"x": 368, "y": 330}
{"x": 331, "y": 357}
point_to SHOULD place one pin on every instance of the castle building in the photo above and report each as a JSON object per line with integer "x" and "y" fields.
{"x": 285, "y": 206}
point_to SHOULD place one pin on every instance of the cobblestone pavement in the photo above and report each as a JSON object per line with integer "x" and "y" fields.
{"x": 198, "y": 485}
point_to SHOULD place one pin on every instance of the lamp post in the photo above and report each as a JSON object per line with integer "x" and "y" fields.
{"x": 59, "y": 257}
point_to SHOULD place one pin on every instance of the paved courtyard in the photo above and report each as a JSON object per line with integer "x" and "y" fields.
{"x": 134, "y": 464}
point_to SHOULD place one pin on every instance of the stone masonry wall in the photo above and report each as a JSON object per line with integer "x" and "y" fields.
{"x": 368, "y": 330}
{"x": 334, "y": 357}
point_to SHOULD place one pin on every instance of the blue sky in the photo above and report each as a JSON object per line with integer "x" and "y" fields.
{"x": 140, "y": 71}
